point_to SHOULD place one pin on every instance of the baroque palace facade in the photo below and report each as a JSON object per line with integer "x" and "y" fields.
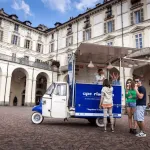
{"x": 30, "y": 56}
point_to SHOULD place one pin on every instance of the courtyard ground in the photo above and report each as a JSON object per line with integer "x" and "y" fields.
{"x": 18, "y": 133}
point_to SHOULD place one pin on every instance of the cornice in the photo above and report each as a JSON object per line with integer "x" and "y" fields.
{"x": 137, "y": 28}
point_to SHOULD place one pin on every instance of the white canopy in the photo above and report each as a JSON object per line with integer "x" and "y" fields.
{"x": 101, "y": 54}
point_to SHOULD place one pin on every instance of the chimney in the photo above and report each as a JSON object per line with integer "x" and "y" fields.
{"x": 57, "y": 24}
{"x": 1, "y": 11}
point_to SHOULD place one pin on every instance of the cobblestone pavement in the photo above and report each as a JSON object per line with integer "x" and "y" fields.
{"x": 18, "y": 133}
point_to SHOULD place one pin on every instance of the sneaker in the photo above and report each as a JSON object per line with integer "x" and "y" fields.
{"x": 112, "y": 129}
{"x": 141, "y": 134}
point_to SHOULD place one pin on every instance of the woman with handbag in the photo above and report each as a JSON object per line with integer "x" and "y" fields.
{"x": 106, "y": 103}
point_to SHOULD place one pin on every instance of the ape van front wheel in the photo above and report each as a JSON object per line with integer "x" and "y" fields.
{"x": 37, "y": 118}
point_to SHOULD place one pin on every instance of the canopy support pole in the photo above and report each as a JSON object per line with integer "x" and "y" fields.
{"x": 73, "y": 80}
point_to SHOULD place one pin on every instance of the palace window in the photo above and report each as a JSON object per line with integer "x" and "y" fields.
{"x": 1, "y": 35}
{"x": 26, "y": 58}
{"x": 15, "y": 40}
{"x": 69, "y": 41}
{"x": 52, "y": 47}
{"x": 14, "y": 55}
{"x": 87, "y": 23}
{"x": 87, "y": 35}
{"x": 139, "y": 40}
{"x": 39, "y": 48}
{"x": 16, "y": 27}
{"x": 52, "y": 36}
{"x": 137, "y": 16}
{"x": 39, "y": 38}
{"x": 38, "y": 60}
{"x": 69, "y": 56}
{"x": 29, "y": 33}
{"x": 109, "y": 26}
{"x": 135, "y": 1}
{"x": 27, "y": 44}
{"x": 69, "y": 29}
{"x": 110, "y": 43}
{"x": 109, "y": 12}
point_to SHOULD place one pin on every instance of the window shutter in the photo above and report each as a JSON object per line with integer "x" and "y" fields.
{"x": 18, "y": 41}
{"x": 72, "y": 40}
{"x": 1, "y": 35}
{"x": 132, "y": 20}
{"x": 142, "y": 15}
{"x": 49, "y": 48}
{"x": 113, "y": 25}
{"x": 89, "y": 33}
{"x": 105, "y": 28}
{"x": 83, "y": 35}
{"x": 12, "y": 38}
{"x": 66, "y": 41}
{"x": 31, "y": 45}
{"x": 42, "y": 48}
{"x": 25, "y": 43}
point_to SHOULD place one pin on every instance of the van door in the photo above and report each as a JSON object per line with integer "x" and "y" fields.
{"x": 59, "y": 101}
{"x": 46, "y": 105}
{"x": 47, "y": 101}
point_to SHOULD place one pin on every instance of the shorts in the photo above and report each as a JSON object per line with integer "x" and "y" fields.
{"x": 131, "y": 104}
{"x": 139, "y": 113}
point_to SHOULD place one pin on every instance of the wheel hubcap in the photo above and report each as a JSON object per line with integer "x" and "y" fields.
{"x": 37, "y": 117}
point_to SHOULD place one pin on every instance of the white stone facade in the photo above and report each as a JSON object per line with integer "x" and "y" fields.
{"x": 101, "y": 25}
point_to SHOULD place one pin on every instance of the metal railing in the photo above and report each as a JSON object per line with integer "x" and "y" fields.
{"x": 23, "y": 61}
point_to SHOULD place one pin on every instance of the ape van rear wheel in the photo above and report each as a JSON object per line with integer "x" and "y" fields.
{"x": 99, "y": 122}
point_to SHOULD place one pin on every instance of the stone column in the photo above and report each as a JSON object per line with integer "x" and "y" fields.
{"x": 2, "y": 88}
{"x": 33, "y": 92}
{"x": 8, "y": 86}
{"x": 28, "y": 92}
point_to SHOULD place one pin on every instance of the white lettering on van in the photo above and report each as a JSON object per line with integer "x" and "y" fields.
{"x": 97, "y": 94}
{"x": 87, "y": 94}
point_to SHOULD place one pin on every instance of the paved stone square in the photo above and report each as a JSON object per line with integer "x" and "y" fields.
{"x": 18, "y": 133}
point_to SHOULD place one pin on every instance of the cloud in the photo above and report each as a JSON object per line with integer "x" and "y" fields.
{"x": 84, "y": 4}
{"x": 21, "y": 5}
{"x": 60, "y": 5}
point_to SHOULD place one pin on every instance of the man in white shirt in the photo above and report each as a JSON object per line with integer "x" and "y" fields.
{"x": 100, "y": 77}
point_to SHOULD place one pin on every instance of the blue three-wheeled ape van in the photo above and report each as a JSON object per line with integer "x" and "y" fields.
{"x": 80, "y": 96}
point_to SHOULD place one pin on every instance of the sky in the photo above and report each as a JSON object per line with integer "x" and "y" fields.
{"x": 47, "y": 12}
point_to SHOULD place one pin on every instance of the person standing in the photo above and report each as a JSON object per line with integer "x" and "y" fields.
{"x": 100, "y": 77}
{"x": 130, "y": 95}
{"x": 106, "y": 103}
{"x": 140, "y": 107}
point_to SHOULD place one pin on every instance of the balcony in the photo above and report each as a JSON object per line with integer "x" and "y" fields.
{"x": 23, "y": 61}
